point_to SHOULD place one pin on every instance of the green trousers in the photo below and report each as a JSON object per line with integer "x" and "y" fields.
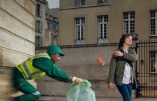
{"x": 30, "y": 93}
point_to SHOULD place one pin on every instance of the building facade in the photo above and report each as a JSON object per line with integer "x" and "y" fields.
{"x": 40, "y": 22}
{"x": 46, "y": 24}
{"x": 17, "y": 34}
{"x": 83, "y": 22}
{"x": 104, "y": 21}
{"x": 52, "y": 30}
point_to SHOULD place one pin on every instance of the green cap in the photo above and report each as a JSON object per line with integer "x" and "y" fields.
{"x": 55, "y": 49}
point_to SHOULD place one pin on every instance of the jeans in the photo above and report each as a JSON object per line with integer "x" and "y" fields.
{"x": 126, "y": 91}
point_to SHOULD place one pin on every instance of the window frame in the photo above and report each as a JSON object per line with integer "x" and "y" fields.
{"x": 153, "y": 27}
{"x": 79, "y": 3}
{"x": 129, "y": 22}
{"x": 154, "y": 60}
{"x": 102, "y": 1}
{"x": 38, "y": 43}
{"x": 38, "y": 10}
{"x": 79, "y": 29}
{"x": 52, "y": 24}
{"x": 102, "y": 26}
{"x": 38, "y": 26}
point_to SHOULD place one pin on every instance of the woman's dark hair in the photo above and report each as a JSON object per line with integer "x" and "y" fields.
{"x": 122, "y": 39}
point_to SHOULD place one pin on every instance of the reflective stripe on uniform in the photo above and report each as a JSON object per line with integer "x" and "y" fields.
{"x": 37, "y": 72}
{"x": 27, "y": 71}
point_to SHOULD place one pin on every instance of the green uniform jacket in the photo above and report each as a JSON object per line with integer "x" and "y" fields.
{"x": 51, "y": 69}
{"x": 117, "y": 65}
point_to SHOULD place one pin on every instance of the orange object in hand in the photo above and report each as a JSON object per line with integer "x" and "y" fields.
{"x": 100, "y": 60}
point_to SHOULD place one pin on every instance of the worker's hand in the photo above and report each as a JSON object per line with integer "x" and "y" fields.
{"x": 117, "y": 53}
{"x": 110, "y": 85}
{"x": 77, "y": 80}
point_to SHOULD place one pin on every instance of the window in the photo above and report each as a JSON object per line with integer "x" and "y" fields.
{"x": 52, "y": 24}
{"x": 102, "y": 26}
{"x": 38, "y": 26}
{"x": 153, "y": 22}
{"x": 38, "y": 41}
{"x": 79, "y": 2}
{"x": 129, "y": 22}
{"x": 79, "y": 28}
{"x": 102, "y": 1}
{"x": 153, "y": 62}
{"x": 38, "y": 10}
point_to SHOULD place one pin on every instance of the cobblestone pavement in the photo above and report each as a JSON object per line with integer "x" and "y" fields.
{"x": 49, "y": 98}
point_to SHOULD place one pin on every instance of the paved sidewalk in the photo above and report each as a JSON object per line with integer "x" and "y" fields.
{"x": 50, "y": 98}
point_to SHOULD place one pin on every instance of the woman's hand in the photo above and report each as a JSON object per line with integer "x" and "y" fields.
{"x": 117, "y": 53}
{"x": 110, "y": 85}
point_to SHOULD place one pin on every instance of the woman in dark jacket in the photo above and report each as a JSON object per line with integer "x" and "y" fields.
{"x": 121, "y": 70}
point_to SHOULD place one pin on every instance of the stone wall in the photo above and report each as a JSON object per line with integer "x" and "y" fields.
{"x": 16, "y": 39}
{"x": 81, "y": 62}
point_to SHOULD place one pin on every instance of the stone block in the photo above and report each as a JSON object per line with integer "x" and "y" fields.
{"x": 6, "y": 85}
{"x": 10, "y": 58}
{"x": 13, "y": 42}
{"x": 16, "y": 27}
{"x": 29, "y": 5}
{"x": 17, "y": 11}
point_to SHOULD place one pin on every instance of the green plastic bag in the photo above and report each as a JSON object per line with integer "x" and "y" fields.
{"x": 81, "y": 92}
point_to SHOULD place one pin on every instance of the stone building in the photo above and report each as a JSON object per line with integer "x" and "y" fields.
{"x": 52, "y": 30}
{"x": 104, "y": 21}
{"x": 86, "y": 24}
{"x": 46, "y": 24}
{"x": 40, "y": 22}
{"x": 17, "y": 34}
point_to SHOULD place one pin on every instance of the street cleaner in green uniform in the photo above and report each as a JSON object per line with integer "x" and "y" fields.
{"x": 38, "y": 66}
